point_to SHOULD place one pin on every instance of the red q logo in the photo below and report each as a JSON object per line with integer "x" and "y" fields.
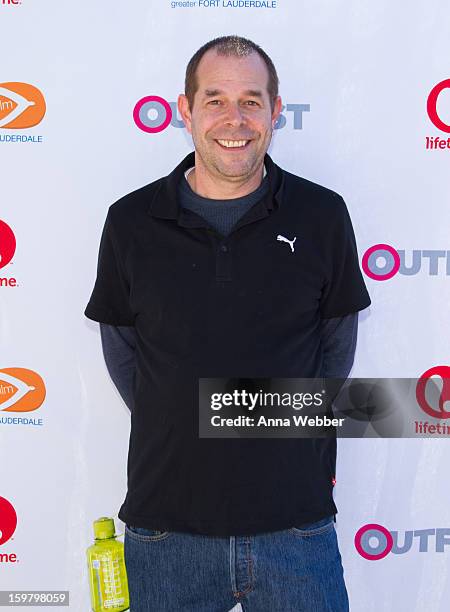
{"x": 7, "y": 244}
{"x": 444, "y": 373}
{"x": 432, "y": 105}
{"x": 8, "y": 520}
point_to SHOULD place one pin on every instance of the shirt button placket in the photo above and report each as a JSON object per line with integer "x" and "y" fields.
{"x": 223, "y": 262}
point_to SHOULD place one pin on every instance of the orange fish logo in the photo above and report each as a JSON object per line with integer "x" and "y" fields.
{"x": 21, "y": 390}
{"x": 21, "y": 106}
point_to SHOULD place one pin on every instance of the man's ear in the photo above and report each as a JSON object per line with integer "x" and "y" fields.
{"x": 276, "y": 110}
{"x": 183, "y": 109}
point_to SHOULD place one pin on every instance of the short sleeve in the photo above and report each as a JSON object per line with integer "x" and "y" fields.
{"x": 344, "y": 291}
{"x": 110, "y": 299}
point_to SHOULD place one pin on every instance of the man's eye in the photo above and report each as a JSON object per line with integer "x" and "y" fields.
{"x": 252, "y": 102}
{"x": 214, "y": 102}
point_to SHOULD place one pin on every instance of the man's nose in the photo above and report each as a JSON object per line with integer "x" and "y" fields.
{"x": 234, "y": 115}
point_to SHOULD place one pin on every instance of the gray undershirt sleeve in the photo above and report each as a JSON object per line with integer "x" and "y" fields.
{"x": 338, "y": 336}
{"x": 118, "y": 344}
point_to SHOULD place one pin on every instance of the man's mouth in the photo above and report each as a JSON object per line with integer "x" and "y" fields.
{"x": 233, "y": 144}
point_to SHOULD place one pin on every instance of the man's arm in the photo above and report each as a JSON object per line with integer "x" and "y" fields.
{"x": 338, "y": 335}
{"x": 118, "y": 344}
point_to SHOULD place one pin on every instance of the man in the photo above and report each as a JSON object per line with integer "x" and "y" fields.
{"x": 194, "y": 281}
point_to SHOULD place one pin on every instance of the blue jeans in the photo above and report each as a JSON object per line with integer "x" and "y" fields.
{"x": 294, "y": 570}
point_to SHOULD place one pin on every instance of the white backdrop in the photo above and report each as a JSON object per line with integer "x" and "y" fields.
{"x": 366, "y": 71}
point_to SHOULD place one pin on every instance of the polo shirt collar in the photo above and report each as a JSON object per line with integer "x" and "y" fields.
{"x": 165, "y": 204}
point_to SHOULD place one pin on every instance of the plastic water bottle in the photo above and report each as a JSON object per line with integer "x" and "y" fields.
{"x": 106, "y": 568}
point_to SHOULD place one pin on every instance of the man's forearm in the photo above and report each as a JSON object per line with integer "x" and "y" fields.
{"x": 338, "y": 336}
{"x": 119, "y": 345}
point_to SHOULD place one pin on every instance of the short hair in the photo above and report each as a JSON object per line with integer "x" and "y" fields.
{"x": 229, "y": 45}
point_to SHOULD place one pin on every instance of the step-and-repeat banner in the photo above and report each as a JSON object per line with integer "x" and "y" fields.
{"x": 366, "y": 112}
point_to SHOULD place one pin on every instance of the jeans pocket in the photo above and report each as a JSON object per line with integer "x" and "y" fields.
{"x": 316, "y": 528}
{"x": 144, "y": 534}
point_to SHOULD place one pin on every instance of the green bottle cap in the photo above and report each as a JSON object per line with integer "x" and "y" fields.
{"x": 104, "y": 528}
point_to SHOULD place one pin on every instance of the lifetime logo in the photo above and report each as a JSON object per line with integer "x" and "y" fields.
{"x": 21, "y": 390}
{"x": 10, "y": 2}
{"x": 374, "y": 541}
{"x": 381, "y": 262}
{"x": 8, "y": 524}
{"x": 441, "y": 376}
{"x": 435, "y": 142}
{"x": 21, "y": 106}
{"x": 154, "y": 114}
{"x": 7, "y": 250}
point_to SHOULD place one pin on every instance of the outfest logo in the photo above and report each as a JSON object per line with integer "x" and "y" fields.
{"x": 153, "y": 114}
{"x": 22, "y": 106}
{"x": 21, "y": 391}
{"x": 8, "y": 524}
{"x": 382, "y": 261}
{"x": 374, "y": 542}
{"x": 436, "y": 142}
{"x": 7, "y": 250}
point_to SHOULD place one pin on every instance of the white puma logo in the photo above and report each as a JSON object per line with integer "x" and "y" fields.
{"x": 291, "y": 242}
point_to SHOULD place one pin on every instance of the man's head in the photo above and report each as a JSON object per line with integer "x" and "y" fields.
{"x": 231, "y": 96}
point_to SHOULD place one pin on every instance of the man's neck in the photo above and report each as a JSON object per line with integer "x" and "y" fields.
{"x": 208, "y": 187}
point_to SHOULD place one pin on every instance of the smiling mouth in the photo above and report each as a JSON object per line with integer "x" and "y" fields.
{"x": 233, "y": 145}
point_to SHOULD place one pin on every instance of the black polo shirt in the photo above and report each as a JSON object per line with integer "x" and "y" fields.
{"x": 206, "y": 305}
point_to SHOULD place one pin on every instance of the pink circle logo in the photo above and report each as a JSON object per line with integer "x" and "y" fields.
{"x": 432, "y": 105}
{"x": 7, "y": 244}
{"x": 155, "y": 104}
{"x": 444, "y": 373}
{"x": 8, "y": 520}
{"x": 383, "y": 546}
{"x": 373, "y": 269}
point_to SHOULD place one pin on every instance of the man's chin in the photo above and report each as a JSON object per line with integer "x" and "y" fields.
{"x": 235, "y": 170}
